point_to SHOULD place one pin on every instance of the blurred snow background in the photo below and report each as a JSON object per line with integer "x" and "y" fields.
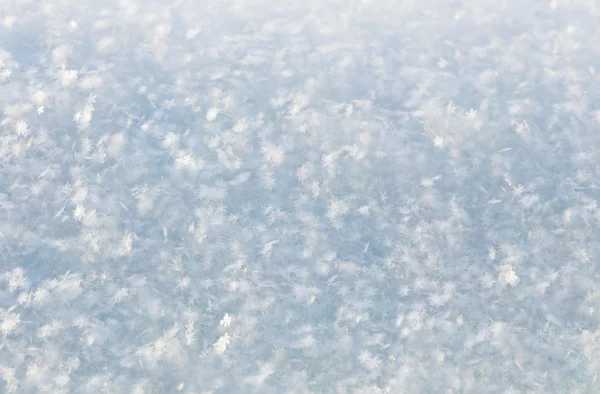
{"x": 299, "y": 196}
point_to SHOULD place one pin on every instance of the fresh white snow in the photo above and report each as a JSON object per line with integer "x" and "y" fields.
{"x": 318, "y": 196}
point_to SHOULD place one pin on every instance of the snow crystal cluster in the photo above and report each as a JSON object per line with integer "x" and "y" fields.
{"x": 317, "y": 196}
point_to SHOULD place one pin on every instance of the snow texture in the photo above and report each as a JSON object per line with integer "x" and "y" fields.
{"x": 317, "y": 196}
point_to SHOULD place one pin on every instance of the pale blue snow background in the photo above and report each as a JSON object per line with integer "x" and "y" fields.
{"x": 312, "y": 196}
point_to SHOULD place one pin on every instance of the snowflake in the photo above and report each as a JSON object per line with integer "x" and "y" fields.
{"x": 67, "y": 77}
{"x": 521, "y": 127}
{"x": 170, "y": 140}
{"x": 369, "y": 361}
{"x": 192, "y": 33}
{"x": 190, "y": 333}
{"x": 273, "y": 154}
{"x": 451, "y": 108}
{"x": 188, "y": 161}
{"x": 22, "y": 128}
{"x": 10, "y": 380}
{"x": 509, "y": 276}
{"x": 336, "y": 208}
{"x": 233, "y": 285}
{"x": 472, "y": 114}
{"x": 16, "y": 279}
{"x": 442, "y": 63}
{"x": 221, "y": 345}
{"x": 404, "y": 290}
{"x": 364, "y": 210}
{"x": 226, "y": 321}
{"x": 183, "y": 283}
{"x": 9, "y": 322}
{"x": 4, "y": 74}
{"x": 78, "y": 212}
{"x": 211, "y": 114}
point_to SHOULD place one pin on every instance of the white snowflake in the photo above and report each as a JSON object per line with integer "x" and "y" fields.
{"x": 521, "y": 127}
{"x": 22, "y": 128}
{"x": 211, "y": 114}
{"x": 222, "y": 343}
{"x": 439, "y": 141}
{"x": 442, "y": 63}
{"x": 226, "y": 321}
{"x": 509, "y": 276}
{"x": 78, "y": 212}
{"x": 9, "y": 321}
{"x": 472, "y": 114}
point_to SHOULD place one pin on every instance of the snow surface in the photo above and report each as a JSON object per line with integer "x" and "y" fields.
{"x": 312, "y": 196}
